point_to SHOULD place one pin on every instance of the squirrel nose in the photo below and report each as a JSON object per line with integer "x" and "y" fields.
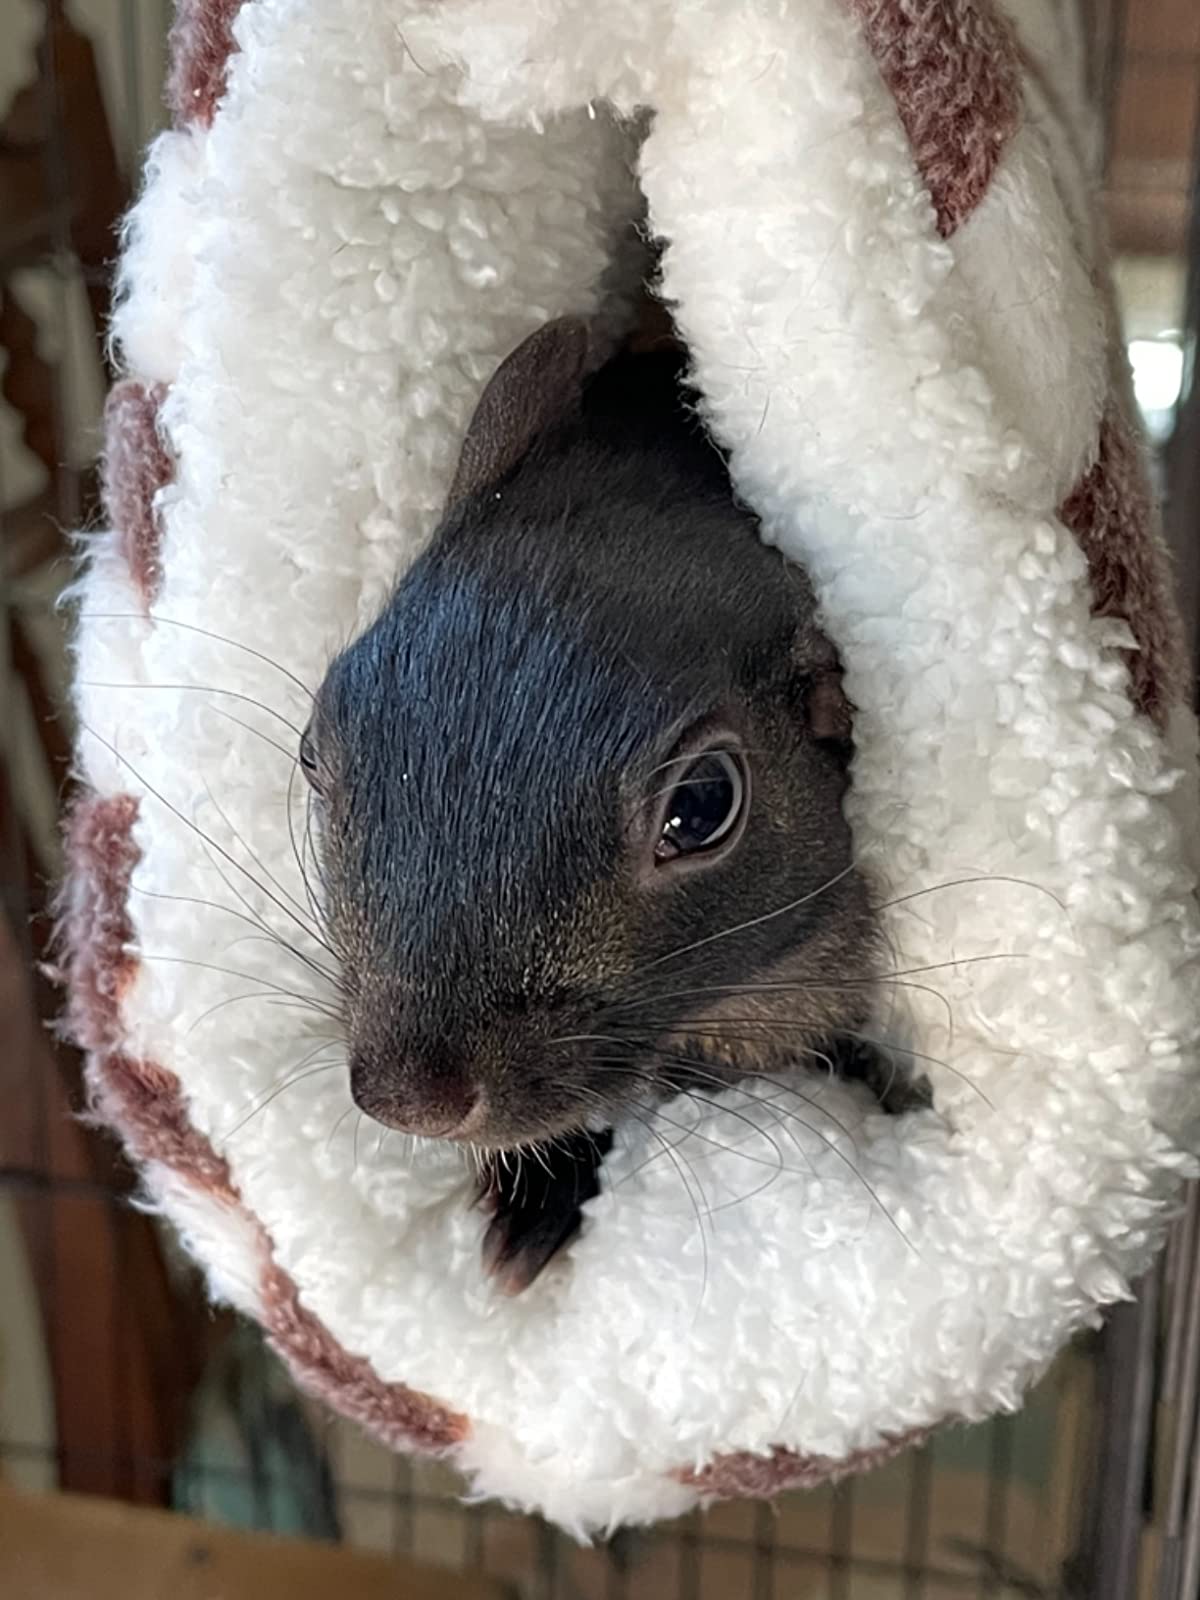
{"x": 438, "y": 1106}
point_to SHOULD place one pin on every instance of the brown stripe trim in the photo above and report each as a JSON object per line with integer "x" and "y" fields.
{"x": 745, "y": 1476}
{"x": 401, "y": 1417}
{"x": 201, "y": 44}
{"x": 145, "y": 1104}
{"x": 953, "y": 71}
{"x": 1111, "y": 514}
{"x": 95, "y": 932}
{"x": 137, "y": 464}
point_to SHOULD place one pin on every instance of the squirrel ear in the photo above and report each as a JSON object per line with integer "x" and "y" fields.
{"x": 536, "y": 388}
{"x": 829, "y": 712}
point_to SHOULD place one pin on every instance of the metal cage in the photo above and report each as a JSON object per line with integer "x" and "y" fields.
{"x": 116, "y": 1379}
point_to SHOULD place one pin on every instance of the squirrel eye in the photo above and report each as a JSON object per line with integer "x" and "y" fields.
{"x": 705, "y": 806}
{"x": 309, "y": 764}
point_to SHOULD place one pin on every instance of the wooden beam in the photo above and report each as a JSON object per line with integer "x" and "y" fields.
{"x": 68, "y": 1547}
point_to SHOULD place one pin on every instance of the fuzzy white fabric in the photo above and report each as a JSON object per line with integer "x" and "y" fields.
{"x": 326, "y": 278}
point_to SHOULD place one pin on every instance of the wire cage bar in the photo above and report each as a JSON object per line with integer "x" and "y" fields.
{"x": 116, "y": 1378}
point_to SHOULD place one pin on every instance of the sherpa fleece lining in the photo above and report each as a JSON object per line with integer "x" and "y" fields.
{"x": 882, "y": 252}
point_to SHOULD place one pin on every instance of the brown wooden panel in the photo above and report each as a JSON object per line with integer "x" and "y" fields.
{"x": 1156, "y": 115}
{"x": 1162, "y": 27}
{"x": 1148, "y": 222}
{"x": 58, "y": 1547}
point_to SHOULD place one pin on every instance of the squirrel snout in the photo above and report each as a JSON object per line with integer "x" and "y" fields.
{"x": 435, "y": 1105}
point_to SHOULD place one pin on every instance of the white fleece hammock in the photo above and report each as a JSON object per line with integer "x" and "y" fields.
{"x": 880, "y": 250}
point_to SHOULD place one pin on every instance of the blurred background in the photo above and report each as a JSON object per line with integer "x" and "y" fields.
{"x": 122, "y": 1396}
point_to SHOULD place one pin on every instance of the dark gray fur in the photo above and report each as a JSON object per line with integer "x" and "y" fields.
{"x": 486, "y": 750}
